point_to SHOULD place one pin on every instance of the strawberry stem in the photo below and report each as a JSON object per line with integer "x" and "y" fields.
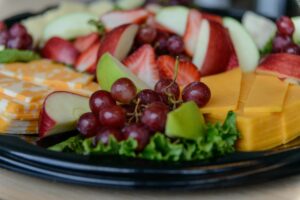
{"x": 99, "y": 25}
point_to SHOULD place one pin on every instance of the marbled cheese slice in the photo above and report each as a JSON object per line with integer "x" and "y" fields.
{"x": 45, "y": 72}
{"x": 21, "y": 90}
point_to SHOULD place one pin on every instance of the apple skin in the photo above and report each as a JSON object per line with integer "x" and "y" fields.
{"x": 282, "y": 65}
{"x": 192, "y": 31}
{"x": 110, "y": 69}
{"x": 119, "y": 41}
{"x": 62, "y": 103}
{"x": 218, "y": 48}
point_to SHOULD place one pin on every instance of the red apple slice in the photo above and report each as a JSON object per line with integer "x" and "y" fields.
{"x": 60, "y": 112}
{"x": 283, "y": 65}
{"x": 213, "y": 50}
{"x": 115, "y": 19}
{"x": 192, "y": 31}
{"x": 119, "y": 41}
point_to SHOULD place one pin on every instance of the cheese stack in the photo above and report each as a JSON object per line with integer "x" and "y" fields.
{"x": 24, "y": 86}
{"x": 266, "y": 108}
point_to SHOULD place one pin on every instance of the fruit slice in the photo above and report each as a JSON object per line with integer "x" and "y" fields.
{"x": 261, "y": 29}
{"x": 129, "y": 4}
{"x": 190, "y": 37}
{"x": 185, "y": 122}
{"x": 187, "y": 71}
{"x": 60, "y": 50}
{"x": 87, "y": 61}
{"x": 108, "y": 65}
{"x": 60, "y": 112}
{"x": 296, "y": 35}
{"x": 174, "y": 18}
{"x": 115, "y": 19}
{"x": 70, "y": 26}
{"x": 211, "y": 17}
{"x": 119, "y": 41}
{"x": 143, "y": 64}
{"x": 213, "y": 48}
{"x": 245, "y": 48}
{"x": 101, "y": 7}
{"x": 83, "y": 43}
{"x": 283, "y": 65}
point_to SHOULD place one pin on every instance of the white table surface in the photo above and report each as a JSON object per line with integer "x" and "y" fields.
{"x": 14, "y": 186}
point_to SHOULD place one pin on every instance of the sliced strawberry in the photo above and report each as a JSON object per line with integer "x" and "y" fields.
{"x": 214, "y": 18}
{"x": 187, "y": 71}
{"x": 192, "y": 31}
{"x": 114, "y": 19}
{"x": 60, "y": 50}
{"x": 143, "y": 64}
{"x": 87, "y": 61}
{"x": 84, "y": 42}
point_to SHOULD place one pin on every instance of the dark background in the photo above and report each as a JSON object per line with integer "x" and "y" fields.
{"x": 271, "y": 8}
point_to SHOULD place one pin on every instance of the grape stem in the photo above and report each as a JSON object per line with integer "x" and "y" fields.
{"x": 135, "y": 115}
{"x": 176, "y": 68}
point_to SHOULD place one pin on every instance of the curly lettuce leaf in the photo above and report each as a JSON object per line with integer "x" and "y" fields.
{"x": 14, "y": 55}
{"x": 219, "y": 140}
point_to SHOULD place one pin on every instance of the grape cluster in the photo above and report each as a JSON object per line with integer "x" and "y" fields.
{"x": 283, "y": 42}
{"x": 126, "y": 113}
{"x": 163, "y": 42}
{"x": 15, "y": 37}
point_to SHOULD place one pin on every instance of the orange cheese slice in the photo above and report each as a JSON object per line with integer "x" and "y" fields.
{"x": 290, "y": 115}
{"x": 225, "y": 91}
{"x": 48, "y": 73}
{"x": 266, "y": 95}
{"x": 23, "y": 91}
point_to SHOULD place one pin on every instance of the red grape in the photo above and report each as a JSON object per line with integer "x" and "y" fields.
{"x": 17, "y": 30}
{"x": 146, "y": 35}
{"x": 168, "y": 87}
{"x": 293, "y": 49}
{"x": 155, "y": 116}
{"x": 99, "y": 100}
{"x": 87, "y": 125}
{"x": 20, "y": 42}
{"x": 197, "y": 92}
{"x": 123, "y": 90}
{"x": 104, "y": 133}
{"x": 161, "y": 44}
{"x": 285, "y": 26}
{"x": 281, "y": 42}
{"x": 175, "y": 45}
{"x": 112, "y": 116}
{"x": 138, "y": 132}
{"x": 148, "y": 96}
{"x": 4, "y": 37}
{"x": 2, "y": 26}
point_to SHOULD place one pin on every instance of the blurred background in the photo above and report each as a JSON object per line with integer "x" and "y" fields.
{"x": 271, "y": 8}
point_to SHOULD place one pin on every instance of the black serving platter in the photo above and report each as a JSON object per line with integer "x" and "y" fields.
{"x": 20, "y": 155}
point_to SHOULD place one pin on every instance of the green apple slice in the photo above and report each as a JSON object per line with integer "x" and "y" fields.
{"x": 129, "y": 4}
{"x": 245, "y": 47}
{"x": 70, "y": 26}
{"x": 260, "y": 28}
{"x": 185, "y": 122}
{"x": 296, "y": 36}
{"x": 173, "y": 18}
{"x": 110, "y": 69}
{"x": 101, "y": 7}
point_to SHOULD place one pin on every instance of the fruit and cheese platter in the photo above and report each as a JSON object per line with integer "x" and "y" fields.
{"x": 132, "y": 93}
